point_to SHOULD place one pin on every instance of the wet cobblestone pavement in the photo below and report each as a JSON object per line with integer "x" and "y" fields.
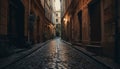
{"x": 55, "y": 55}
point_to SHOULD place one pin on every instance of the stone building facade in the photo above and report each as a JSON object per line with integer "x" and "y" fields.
{"x": 64, "y": 5}
{"x": 57, "y": 17}
{"x": 48, "y": 9}
{"x": 92, "y": 25}
{"x": 23, "y": 22}
{"x": 12, "y": 22}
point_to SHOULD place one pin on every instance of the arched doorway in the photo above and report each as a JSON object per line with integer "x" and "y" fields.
{"x": 95, "y": 22}
{"x": 16, "y": 22}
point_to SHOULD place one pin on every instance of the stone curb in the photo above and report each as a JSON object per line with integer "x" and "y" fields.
{"x": 5, "y": 62}
{"x": 92, "y": 57}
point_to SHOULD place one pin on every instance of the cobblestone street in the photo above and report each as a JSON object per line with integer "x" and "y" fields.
{"x": 59, "y": 34}
{"x": 56, "y": 55}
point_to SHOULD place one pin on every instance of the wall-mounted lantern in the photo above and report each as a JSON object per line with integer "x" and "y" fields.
{"x": 65, "y": 20}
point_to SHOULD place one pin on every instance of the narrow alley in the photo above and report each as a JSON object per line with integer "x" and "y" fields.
{"x": 59, "y": 34}
{"x": 56, "y": 55}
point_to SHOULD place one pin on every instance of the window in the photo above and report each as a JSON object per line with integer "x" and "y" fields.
{"x": 56, "y": 14}
{"x": 56, "y": 20}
